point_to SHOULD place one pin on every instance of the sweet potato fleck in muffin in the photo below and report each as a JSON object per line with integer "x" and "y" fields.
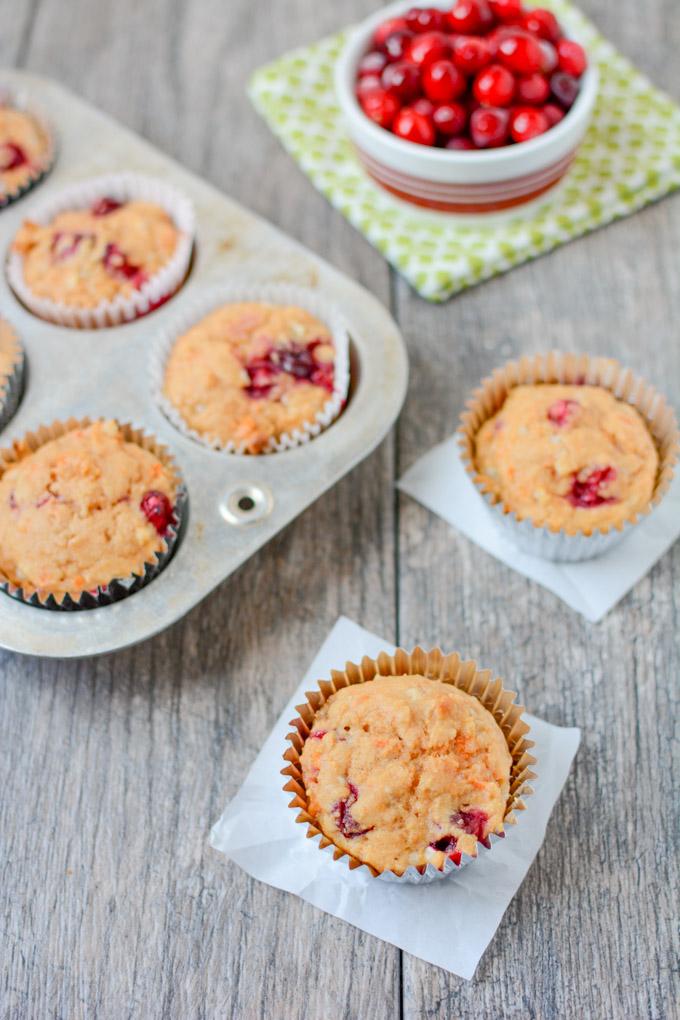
{"x": 249, "y": 372}
{"x": 23, "y": 149}
{"x": 571, "y": 457}
{"x": 82, "y": 510}
{"x": 406, "y": 770}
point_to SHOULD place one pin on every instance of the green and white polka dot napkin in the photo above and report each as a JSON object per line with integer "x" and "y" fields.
{"x": 630, "y": 157}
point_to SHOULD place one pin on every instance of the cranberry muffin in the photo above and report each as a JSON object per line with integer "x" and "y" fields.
{"x": 406, "y": 771}
{"x": 83, "y": 509}
{"x": 250, "y": 373}
{"x": 11, "y": 371}
{"x": 25, "y": 150}
{"x": 569, "y": 457}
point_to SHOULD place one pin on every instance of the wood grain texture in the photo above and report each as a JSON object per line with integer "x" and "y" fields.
{"x": 112, "y": 770}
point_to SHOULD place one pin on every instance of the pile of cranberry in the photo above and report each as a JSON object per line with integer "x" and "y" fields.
{"x": 484, "y": 74}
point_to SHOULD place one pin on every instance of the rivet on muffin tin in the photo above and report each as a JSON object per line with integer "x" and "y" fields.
{"x": 246, "y": 503}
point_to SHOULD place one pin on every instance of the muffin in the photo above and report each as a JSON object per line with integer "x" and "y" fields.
{"x": 252, "y": 376}
{"x": 26, "y": 149}
{"x": 408, "y": 764}
{"x": 83, "y": 509}
{"x": 11, "y": 371}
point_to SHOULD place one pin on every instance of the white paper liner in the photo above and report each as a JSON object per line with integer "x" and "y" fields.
{"x": 12, "y": 384}
{"x": 21, "y": 101}
{"x": 556, "y": 367}
{"x": 122, "y": 187}
{"x": 117, "y": 588}
{"x": 231, "y": 292}
{"x": 465, "y": 675}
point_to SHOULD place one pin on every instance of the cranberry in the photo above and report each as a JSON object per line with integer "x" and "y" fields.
{"x": 472, "y": 821}
{"x": 508, "y": 11}
{"x": 401, "y": 79}
{"x": 520, "y": 52}
{"x": 549, "y": 56}
{"x": 348, "y": 825}
{"x": 450, "y": 119}
{"x": 414, "y": 127}
{"x": 461, "y": 144}
{"x": 586, "y": 488}
{"x": 489, "y": 127}
{"x": 318, "y": 734}
{"x": 562, "y": 412}
{"x": 381, "y": 106}
{"x": 424, "y": 106}
{"x": 157, "y": 509}
{"x": 571, "y": 57}
{"x": 527, "y": 122}
{"x": 564, "y": 88}
{"x": 388, "y": 28}
{"x": 442, "y": 81}
{"x": 542, "y": 23}
{"x": 65, "y": 244}
{"x": 116, "y": 262}
{"x": 371, "y": 63}
{"x": 428, "y": 47}
{"x": 261, "y": 373}
{"x": 297, "y": 360}
{"x": 469, "y": 16}
{"x": 369, "y": 83}
{"x": 425, "y": 19}
{"x": 533, "y": 89}
{"x": 12, "y": 156}
{"x": 554, "y": 113}
{"x": 104, "y": 206}
{"x": 397, "y": 44}
{"x": 494, "y": 86}
{"x": 471, "y": 53}
{"x": 448, "y": 845}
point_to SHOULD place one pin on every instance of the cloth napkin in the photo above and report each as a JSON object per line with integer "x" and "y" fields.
{"x": 630, "y": 157}
{"x": 448, "y": 922}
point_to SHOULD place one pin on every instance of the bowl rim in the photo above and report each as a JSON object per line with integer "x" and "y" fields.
{"x": 345, "y": 70}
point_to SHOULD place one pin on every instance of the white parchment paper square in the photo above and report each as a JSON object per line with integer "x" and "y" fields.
{"x": 450, "y": 922}
{"x": 440, "y": 482}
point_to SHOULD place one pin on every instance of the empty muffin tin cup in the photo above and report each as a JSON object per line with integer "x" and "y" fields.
{"x": 22, "y": 102}
{"x": 449, "y": 669}
{"x": 566, "y": 545}
{"x": 124, "y": 187}
{"x": 117, "y": 588}
{"x": 234, "y": 291}
{"x": 12, "y": 363}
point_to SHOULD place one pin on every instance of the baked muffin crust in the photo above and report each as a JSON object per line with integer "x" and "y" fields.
{"x": 23, "y": 148}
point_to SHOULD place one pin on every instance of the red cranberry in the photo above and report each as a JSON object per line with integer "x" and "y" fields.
{"x": 527, "y": 122}
{"x": 494, "y": 86}
{"x": 549, "y": 56}
{"x": 562, "y": 412}
{"x": 381, "y": 106}
{"x": 472, "y": 821}
{"x": 542, "y": 23}
{"x": 442, "y": 81}
{"x": 489, "y": 127}
{"x": 104, "y": 206}
{"x": 471, "y": 53}
{"x": 261, "y": 373}
{"x": 414, "y": 127}
{"x": 450, "y": 119}
{"x": 428, "y": 47}
{"x": 564, "y": 88}
{"x": 401, "y": 79}
{"x": 554, "y": 113}
{"x": 396, "y": 45}
{"x": 318, "y": 734}
{"x": 424, "y": 106}
{"x": 157, "y": 509}
{"x": 65, "y": 244}
{"x": 448, "y": 845}
{"x": 386, "y": 29}
{"x": 461, "y": 144}
{"x": 371, "y": 63}
{"x": 571, "y": 57}
{"x": 533, "y": 89}
{"x": 586, "y": 489}
{"x": 520, "y": 52}
{"x": 348, "y": 825}
{"x": 508, "y": 11}
{"x": 425, "y": 19}
{"x": 369, "y": 83}
{"x": 470, "y": 16}
{"x": 12, "y": 156}
{"x": 116, "y": 262}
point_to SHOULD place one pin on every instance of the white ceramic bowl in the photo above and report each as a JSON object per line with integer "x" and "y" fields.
{"x": 483, "y": 181}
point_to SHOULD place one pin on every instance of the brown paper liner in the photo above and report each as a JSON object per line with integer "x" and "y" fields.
{"x": 574, "y": 369}
{"x": 12, "y": 381}
{"x": 449, "y": 669}
{"x": 144, "y": 572}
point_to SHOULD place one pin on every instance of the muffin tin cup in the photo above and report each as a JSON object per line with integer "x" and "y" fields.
{"x": 124, "y": 187}
{"x": 118, "y": 588}
{"x": 12, "y": 383}
{"x": 235, "y": 291}
{"x": 21, "y": 101}
{"x": 565, "y": 545}
{"x": 450, "y": 669}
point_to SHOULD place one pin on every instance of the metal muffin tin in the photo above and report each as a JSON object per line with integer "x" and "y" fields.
{"x": 236, "y": 503}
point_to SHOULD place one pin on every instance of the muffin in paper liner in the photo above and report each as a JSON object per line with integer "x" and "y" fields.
{"x": 118, "y": 588}
{"x": 123, "y": 187}
{"x": 12, "y": 363}
{"x": 20, "y": 101}
{"x": 232, "y": 292}
{"x": 566, "y": 545}
{"x": 436, "y": 665}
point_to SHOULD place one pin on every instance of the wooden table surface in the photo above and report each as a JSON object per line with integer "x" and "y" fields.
{"x": 112, "y": 770}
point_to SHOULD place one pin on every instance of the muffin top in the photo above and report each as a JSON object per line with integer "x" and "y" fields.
{"x": 406, "y": 770}
{"x": 249, "y": 372}
{"x": 570, "y": 457}
{"x": 23, "y": 148}
{"x": 8, "y": 351}
{"x": 82, "y": 510}
{"x": 83, "y": 257}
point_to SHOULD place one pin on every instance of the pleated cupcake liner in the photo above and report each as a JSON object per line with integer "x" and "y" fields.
{"x": 11, "y": 383}
{"x": 21, "y": 101}
{"x": 434, "y": 664}
{"x": 234, "y": 291}
{"x": 124, "y": 187}
{"x": 567, "y": 545}
{"x": 117, "y": 588}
